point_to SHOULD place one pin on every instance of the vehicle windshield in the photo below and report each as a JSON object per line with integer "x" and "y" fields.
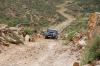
{"x": 51, "y": 31}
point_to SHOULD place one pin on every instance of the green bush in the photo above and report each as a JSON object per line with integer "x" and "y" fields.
{"x": 28, "y": 31}
{"x": 44, "y": 23}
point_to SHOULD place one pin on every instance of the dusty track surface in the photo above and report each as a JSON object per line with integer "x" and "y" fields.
{"x": 45, "y": 52}
{"x": 69, "y": 18}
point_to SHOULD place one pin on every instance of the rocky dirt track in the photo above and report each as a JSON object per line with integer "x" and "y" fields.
{"x": 43, "y": 53}
{"x": 47, "y": 53}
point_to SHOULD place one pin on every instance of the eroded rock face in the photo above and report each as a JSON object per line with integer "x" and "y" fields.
{"x": 79, "y": 39}
{"x": 8, "y": 36}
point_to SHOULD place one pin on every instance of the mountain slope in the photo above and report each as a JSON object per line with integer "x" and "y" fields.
{"x": 39, "y": 12}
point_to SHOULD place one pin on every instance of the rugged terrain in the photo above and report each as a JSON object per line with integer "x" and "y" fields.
{"x": 43, "y": 14}
{"x": 41, "y": 53}
{"x": 45, "y": 52}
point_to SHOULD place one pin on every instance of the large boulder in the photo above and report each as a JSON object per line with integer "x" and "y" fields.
{"x": 76, "y": 64}
{"x": 27, "y": 38}
{"x": 79, "y": 39}
{"x": 8, "y": 36}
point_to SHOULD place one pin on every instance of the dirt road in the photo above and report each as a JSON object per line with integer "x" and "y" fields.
{"x": 45, "y": 52}
{"x": 69, "y": 18}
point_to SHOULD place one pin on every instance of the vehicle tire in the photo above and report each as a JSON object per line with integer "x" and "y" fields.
{"x": 56, "y": 37}
{"x": 46, "y": 37}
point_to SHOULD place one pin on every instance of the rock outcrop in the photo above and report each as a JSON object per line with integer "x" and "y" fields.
{"x": 8, "y": 36}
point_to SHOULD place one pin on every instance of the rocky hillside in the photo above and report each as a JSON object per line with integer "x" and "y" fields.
{"x": 88, "y": 5}
{"x": 40, "y": 13}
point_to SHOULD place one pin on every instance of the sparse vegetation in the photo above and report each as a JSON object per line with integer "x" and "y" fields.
{"x": 88, "y": 5}
{"x": 39, "y": 12}
{"x": 79, "y": 25}
{"x": 92, "y": 53}
{"x": 28, "y": 31}
{"x": 34, "y": 17}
